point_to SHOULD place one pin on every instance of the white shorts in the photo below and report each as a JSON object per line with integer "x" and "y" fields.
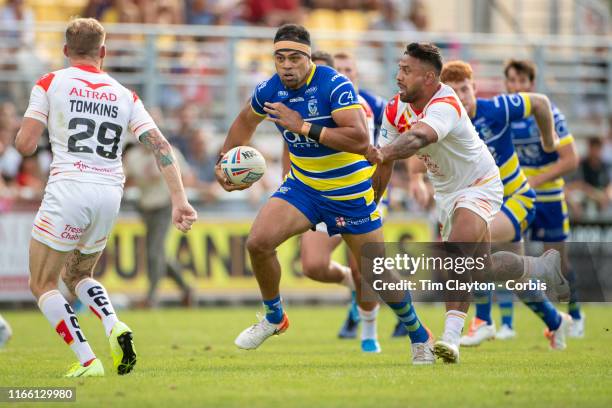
{"x": 485, "y": 200}
{"x": 383, "y": 208}
{"x": 77, "y": 215}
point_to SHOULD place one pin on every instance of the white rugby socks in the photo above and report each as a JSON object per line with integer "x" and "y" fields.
{"x": 62, "y": 318}
{"x": 93, "y": 294}
{"x": 453, "y": 326}
{"x": 368, "y": 323}
{"x": 347, "y": 281}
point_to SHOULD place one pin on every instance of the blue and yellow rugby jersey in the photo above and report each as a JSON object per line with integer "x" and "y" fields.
{"x": 334, "y": 174}
{"x": 492, "y": 121}
{"x": 532, "y": 157}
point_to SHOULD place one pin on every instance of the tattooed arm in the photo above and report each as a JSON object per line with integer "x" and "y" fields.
{"x": 408, "y": 143}
{"x": 183, "y": 215}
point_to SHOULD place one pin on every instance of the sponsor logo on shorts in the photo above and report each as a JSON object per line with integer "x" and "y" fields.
{"x": 284, "y": 190}
{"x": 72, "y": 233}
{"x": 346, "y": 221}
{"x": 340, "y": 222}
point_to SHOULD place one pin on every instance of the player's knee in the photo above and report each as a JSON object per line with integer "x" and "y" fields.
{"x": 71, "y": 280}
{"x": 258, "y": 245}
{"x": 315, "y": 268}
{"x": 40, "y": 286}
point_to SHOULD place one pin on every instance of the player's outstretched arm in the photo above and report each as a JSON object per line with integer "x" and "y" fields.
{"x": 28, "y": 136}
{"x": 542, "y": 112}
{"x": 408, "y": 143}
{"x": 183, "y": 214}
{"x": 239, "y": 134}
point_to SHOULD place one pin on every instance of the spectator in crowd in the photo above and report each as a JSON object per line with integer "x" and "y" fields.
{"x": 204, "y": 12}
{"x": 155, "y": 208}
{"x": 392, "y": 17}
{"x": 16, "y": 52}
{"x": 591, "y": 191}
{"x": 10, "y": 159}
{"x": 418, "y": 15}
{"x": 187, "y": 125}
{"x": 30, "y": 180}
{"x": 202, "y": 162}
{"x": 274, "y": 13}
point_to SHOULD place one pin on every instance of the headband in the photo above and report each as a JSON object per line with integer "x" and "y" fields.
{"x": 293, "y": 46}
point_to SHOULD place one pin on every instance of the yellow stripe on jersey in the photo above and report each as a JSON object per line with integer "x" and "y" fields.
{"x": 527, "y": 102}
{"x": 368, "y": 195}
{"x": 549, "y": 186}
{"x": 325, "y": 163}
{"x": 516, "y": 207}
{"x": 263, "y": 115}
{"x": 358, "y": 106}
{"x": 511, "y": 166}
{"x": 327, "y": 184}
{"x": 312, "y": 72}
{"x": 564, "y": 141}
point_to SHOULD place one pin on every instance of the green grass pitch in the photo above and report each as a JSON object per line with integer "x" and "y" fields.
{"x": 187, "y": 358}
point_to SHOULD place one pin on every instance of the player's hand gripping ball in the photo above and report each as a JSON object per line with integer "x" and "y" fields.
{"x": 243, "y": 165}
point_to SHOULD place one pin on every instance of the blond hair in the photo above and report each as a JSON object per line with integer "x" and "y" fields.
{"x": 84, "y": 37}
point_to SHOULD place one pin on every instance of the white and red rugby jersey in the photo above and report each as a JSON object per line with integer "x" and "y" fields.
{"x": 369, "y": 116}
{"x": 88, "y": 114}
{"x": 459, "y": 158}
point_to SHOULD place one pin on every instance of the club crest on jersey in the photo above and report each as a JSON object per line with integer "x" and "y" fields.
{"x": 313, "y": 109}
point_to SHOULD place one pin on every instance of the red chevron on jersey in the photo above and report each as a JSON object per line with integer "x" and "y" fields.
{"x": 45, "y": 81}
{"x": 91, "y": 84}
{"x": 450, "y": 100}
{"x": 391, "y": 109}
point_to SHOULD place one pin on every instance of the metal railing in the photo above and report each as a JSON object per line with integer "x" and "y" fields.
{"x": 216, "y": 67}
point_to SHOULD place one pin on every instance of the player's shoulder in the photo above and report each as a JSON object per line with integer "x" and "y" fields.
{"x": 394, "y": 108}
{"x": 269, "y": 86}
{"x": 325, "y": 73}
{"x": 45, "y": 81}
{"x": 445, "y": 97}
{"x": 328, "y": 78}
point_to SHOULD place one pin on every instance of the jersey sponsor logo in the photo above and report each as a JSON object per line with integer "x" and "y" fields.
{"x": 283, "y": 94}
{"x": 84, "y": 167}
{"x": 313, "y": 109}
{"x": 346, "y": 98}
{"x": 92, "y": 85}
{"x": 86, "y": 93}
{"x": 311, "y": 90}
{"x": 337, "y": 76}
{"x": 297, "y": 140}
{"x": 298, "y": 99}
{"x": 284, "y": 190}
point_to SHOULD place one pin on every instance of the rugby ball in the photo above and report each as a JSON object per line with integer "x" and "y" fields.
{"x": 243, "y": 165}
